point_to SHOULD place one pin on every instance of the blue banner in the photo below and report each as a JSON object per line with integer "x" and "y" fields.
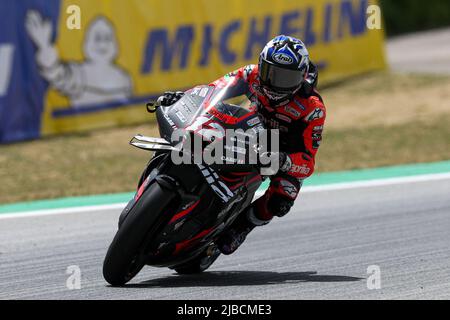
{"x": 22, "y": 89}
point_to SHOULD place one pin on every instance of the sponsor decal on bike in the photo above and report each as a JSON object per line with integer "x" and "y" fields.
{"x": 195, "y": 91}
{"x": 253, "y": 121}
{"x": 203, "y": 92}
{"x": 236, "y": 149}
{"x": 180, "y": 116}
{"x": 220, "y": 188}
{"x": 179, "y": 224}
{"x": 169, "y": 121}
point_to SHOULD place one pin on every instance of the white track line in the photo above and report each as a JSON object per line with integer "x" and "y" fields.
{"x": 308, "y": 189}
{"x": 379, "y": 182}
{"x": 48, "y": 212}
{"x": 372, "y": 183}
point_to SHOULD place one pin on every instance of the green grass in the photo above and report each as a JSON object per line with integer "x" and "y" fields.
{"x": 375, "y": 146}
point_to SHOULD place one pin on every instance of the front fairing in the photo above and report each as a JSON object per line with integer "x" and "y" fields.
{"x": 210, "y": 114}
{"x": 204, "y": 105}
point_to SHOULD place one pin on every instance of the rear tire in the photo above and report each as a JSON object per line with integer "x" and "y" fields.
{"x": 199, "y": 263}
{"x": 124, "y": 259}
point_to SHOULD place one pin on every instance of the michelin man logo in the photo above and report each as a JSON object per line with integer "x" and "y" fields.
{"x": 97, "y": 79}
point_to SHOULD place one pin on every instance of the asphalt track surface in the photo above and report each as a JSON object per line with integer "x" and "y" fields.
{"x": 321, "y": 250}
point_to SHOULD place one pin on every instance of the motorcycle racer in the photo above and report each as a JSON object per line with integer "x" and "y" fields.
{"x": 281, "y": 89}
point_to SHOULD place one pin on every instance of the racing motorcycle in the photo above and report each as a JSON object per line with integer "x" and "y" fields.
{"x": 180, "y": 210}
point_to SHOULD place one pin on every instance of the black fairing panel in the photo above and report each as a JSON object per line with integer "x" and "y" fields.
{"x": 178, "y": 115}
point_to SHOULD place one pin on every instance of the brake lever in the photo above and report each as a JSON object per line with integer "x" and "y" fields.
{"x": 152, "y": 106}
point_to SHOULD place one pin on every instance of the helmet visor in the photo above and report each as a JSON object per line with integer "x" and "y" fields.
{"x": 278, "y": 78}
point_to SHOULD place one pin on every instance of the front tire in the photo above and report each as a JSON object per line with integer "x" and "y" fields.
{"x": 124, "y": 258}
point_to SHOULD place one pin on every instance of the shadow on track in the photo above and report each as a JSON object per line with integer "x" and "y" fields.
{"x": 238, "y": 278}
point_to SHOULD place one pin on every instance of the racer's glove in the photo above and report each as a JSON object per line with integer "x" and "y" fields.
{"x": 169, "y": 98}
{"x": 284, "y": 162}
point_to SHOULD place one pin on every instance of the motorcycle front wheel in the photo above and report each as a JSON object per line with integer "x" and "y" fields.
{"x": 124, "y": 258}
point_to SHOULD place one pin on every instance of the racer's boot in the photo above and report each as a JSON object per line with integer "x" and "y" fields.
{"x": 237, "y": 233}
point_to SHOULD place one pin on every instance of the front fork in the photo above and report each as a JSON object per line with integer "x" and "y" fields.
{"x": 148, "y": 176}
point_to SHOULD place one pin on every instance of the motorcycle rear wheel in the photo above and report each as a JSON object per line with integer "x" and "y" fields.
{"x": 199, "y": 263}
